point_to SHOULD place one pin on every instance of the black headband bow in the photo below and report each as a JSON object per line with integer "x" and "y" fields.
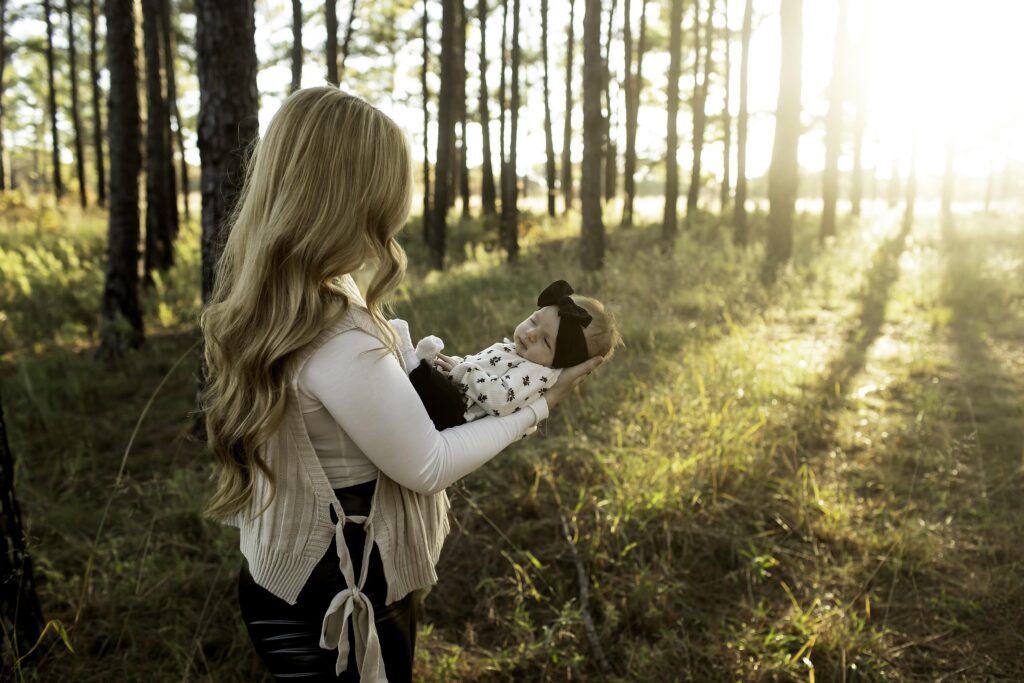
{"x": 570, "y": 344}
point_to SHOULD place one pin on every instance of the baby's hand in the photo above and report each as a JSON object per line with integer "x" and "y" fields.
{"x": 444, "y": 362}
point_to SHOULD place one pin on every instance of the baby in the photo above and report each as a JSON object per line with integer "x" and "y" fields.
{"x": 508, "y": 375}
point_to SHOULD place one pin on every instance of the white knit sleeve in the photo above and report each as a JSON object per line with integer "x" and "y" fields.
{"x": 373, "y": 401}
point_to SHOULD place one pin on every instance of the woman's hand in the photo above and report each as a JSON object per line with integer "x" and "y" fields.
{"x": 570, "y": 379}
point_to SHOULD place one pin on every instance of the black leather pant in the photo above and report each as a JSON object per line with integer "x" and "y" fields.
{"x": 287, "y": 637}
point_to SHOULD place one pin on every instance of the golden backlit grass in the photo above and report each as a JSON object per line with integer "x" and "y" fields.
{"x": 822, "y": 479}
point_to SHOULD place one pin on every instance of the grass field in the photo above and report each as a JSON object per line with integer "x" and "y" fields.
{"x": 821, "y": 480}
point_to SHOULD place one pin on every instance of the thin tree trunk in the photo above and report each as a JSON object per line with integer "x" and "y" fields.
{"x": 610, "y": 151}
{"x": 172, "y": 101}
{"x": 510, "y": 211}
{"x": 445, "y": 131}
{"x": 784, "y": 172}
{"x": 424, "y": 22}
{"x": 331, "y": 46}
{"x": 159, "y": 254}
{"x": 834, "y": 127}
{"x": 69, "y": 6}
{"x": 700, "y": 96}
{"x": 20, "y": 611}
{"x": 487, "y": 190}
{"x": 97, "y": 120}
{"x": 740, "y": 207}
{"x": 633, "y": 114}
{"x": 228, "y": 115}
{"x": 58, "y": 184}
{"x": 549, "y": 144}
{"x": 627, "y": 77}
{"x": 911, "y": 198}
{"x": 592, "y": 238}
{"x": 502, "y": 107}
{"x": 454, "y": 165}
{"x": 948, "y": 185}
{"x": 346, "y": 43}
{"x": 669, "y": 221}
{"x": 463, "y": 113}
{"x": 296, "y": 46}
{"x": 861, "y": 114}
{"x": 726, "y": 115}
{"x": 121, "y": 315}
{"x": 3, "y": 67}
{"x": 567, "y": 128}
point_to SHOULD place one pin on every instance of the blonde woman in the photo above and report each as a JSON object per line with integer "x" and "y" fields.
{"x": 327, "y": 461}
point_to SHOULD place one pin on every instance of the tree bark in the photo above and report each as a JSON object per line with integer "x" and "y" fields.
{"x": 834, "y": 127}
{"x": 633, "y": 88}
{"x": 610, "y": 151}
{"x": 347, "y": 42}
{"x": 592, "y": 238}
{"x": 726, "y": 115}
{"x": 3, "y": 67}
{"x": 669, "y": 221}
{"x": 424, "y": 22}
{"x": 159, "y": 253}
{"x": 487, "y": 190}
{"x": 784, "y": 172}
{"x": 445, "y": 131}
{"x": 700, "y": 96}
{"x": 463, "y": 113}
{"x": 228, "y": 115}
{"x": 296, "y": 46}
{"x": 20, "y": 611}
{"x": 331, "y": 47}
{"x": 739, "y": 215}
{"x": 502, "y": 108}
{"x": 121, "y": 315}
{"x": 97, "y": 120}
{"x": 510, "y": 210}
{"x": 58, "y": 184}
{"x": 549, "y": 144}
{"x": 76, "y": 119}
{"x": 860, "y": 114}
{"x": 172, "y": 101}
{"x": 567, "y": 128}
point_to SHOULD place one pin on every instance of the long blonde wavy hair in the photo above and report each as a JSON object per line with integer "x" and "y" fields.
{"x": 325, "y": 192}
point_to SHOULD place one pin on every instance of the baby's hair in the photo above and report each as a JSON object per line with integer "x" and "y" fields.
{"x": 602, "y": 334}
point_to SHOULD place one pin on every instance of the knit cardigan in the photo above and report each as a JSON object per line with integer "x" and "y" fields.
{"x": 285, "y": 542}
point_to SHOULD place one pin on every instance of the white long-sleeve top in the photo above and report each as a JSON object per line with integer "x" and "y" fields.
{"x": 362, "y": 413}
{"x": 498, "y": 381}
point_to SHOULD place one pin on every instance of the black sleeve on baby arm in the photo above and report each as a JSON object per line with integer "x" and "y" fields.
{"x": 440, "y": 396}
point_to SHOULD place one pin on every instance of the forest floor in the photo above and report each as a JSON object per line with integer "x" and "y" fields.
{"x": 818, "y": 480}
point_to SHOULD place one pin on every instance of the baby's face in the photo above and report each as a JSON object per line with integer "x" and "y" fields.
{"x": 535, "y": 336}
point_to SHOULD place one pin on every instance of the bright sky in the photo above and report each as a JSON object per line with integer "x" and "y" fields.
{"x": 932, "y": 65}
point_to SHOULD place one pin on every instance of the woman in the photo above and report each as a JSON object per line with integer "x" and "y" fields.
{"x": 328, "y": 463}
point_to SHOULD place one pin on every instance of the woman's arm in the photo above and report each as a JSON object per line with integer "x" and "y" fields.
{"x": 372, "y": 400}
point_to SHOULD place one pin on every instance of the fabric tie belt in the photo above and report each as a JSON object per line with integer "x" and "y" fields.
{"x": 353, "y": 603}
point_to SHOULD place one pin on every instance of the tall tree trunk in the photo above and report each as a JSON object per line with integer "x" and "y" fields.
{"x": 97, "y": 120}
{"x": 445, "y": 131}
{"x": 121, "y": 290}
{"x": 20, "y": 612}
{"x": 739, "y": 215}
{"x": 487, "y": 190}
{"x": 159, "y": 253}
{"x": 172, "y": 101}
{"x": 627, "y": 81}
{"x": 700, "y": 96}
{"x": 834, "y": 127}
{"x": 58, "y": 184}
{"x": 296, "y": 46}
{"x": 948, "y": 184}
{"x": 458, "y": 85}
{"x": 463, "y": 113}
{"x": 228, "y": 114}
{"x": 3, "y": 66}
{"x": 424, "y": 23}
{"x": 347, "y": 42}
{"x": 549, "y": 144}
{"x": 502, "y": 107}
{"x": 567, "y": 128}
{"x": 860, "y": 114}
{"x": 669, "y": 221}
{"x": 331, "y": 46}
{"x": 592, "y": 238}
{"x": 510, "y": 210}
{"x": 76, "y": 120}
{"x": 635, "y": 84}
{"x": 784, "y": 173}
{"x": 610, "y": 151}
{"x": 911, "y": 198}
{"x": 726, "y": 116}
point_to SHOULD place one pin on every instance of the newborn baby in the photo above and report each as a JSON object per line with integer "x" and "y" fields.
{"x": 508, "y": 375}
